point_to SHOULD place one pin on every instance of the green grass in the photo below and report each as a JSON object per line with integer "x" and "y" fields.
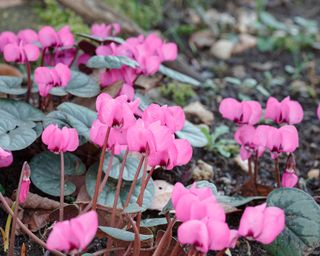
{"x": 53, "y": 14}
{"x": 146, "y": 13}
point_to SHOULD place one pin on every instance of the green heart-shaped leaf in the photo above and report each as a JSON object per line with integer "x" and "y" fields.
{"x": 78, "y": 117}
{"x": 122, "y": 235}
{"x": 178, "y": 76}
{"x": 111, "y": 62}
{"x": 302, "y": 231}
{"x": 193, "y": 134}
{"x": 11, "y": 85}
{"x": 45, "y": 172}
{"x": 82, "y": 85}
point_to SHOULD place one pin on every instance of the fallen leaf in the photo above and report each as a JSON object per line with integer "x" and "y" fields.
{"x": 245, "y": 42}
{"x": 202, "y": 38}
{"x": 202, "y": 171}
{"x": 198, "y": 113}
{"x": 8, "y": 70}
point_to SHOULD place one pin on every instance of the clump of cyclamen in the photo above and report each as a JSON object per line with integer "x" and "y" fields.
{"x": 152, "y": 135}
{"x": 255, "y": 141}
{"x": 204, "y": 220}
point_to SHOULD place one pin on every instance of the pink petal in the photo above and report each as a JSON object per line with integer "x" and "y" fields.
{"x": 194, "y": 232}
{"x": 7, "y": 37}
{"x": 273, "y": 225}
{"x": 184, "y": 151}
{"x": 32, "y": 52}
{"x": 178, "y": 191}
{"x": 169, "y": 51}
{"x": 64, "y": 73}
{"x": 290, "y": 138}
{"x": 59, "y": 237}
{"x": 292, "y": 111}
{"x": 230, "y": 109}
{"x": 6, "y": 158}
{"x": 66, "y": 37}
{"x": 219, "y": 234}
{"x": 24, "y": 190}
{"x": 152, "y": 65}
{"x": 273, "y": 109}
{"x": 251, "y": 112}
{"x": 11, "y": 53}
{"x": 289, "y": 180}
{"x": 183, "y": 207}
{"x": 174, "y": 118}
{"x": 28, "y": 36}
{"x": 48, "y": 37}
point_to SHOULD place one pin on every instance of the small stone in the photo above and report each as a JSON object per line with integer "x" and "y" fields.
{"x": 197, "y": 111}
{"x": 162, "y": 194}
{"x": 243, "y": 164}
{"x": 202, "y": 171}
{"x": 222, "y": 49}
{"x": 314, "y": 174}
{"x": 202, "y": 38}
{"x": 239, "y": 71}
{"x": 246, "y": 42}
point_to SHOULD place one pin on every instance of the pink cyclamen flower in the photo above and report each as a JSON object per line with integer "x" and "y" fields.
{"x": 103, "y": 30}
{"x": 287, "y": 111}
{"x": 25, "y": 183}
{"x": 73, "y": 235}
{"x": 206, "y": 234}
{"x": 116, "y": 113}
{"x": 47, "y": 78}
{"x": 28, "y": 36}
{"x": 172, "y": 117}
{"x": 188, "y": 202}
{"x": 117, "y": 138}
{"x": 7, "y": 37}
{"x": 48, "y": 37}
{"x": 284, "y": 139}
{"x": 6, "y": 158}
{"x": 245, "y": 112}
{"x": 21, "y": 53}
{"x": 60, "y": 55}
{"x": 249, "y": 139}
{"x": 318, "y": 112}
{"x": 262, "y": 223}
{"x": 177, "y": 153}
{"x": 60, "y": 140}
{"x": 289, "y": 179}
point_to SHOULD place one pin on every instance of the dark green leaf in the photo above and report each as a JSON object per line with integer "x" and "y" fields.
{"x": 111, "y": 62}
{"x": 45, "y": 173}
{"x": 236, "y": 201}
{"x": 193, "y": 134}
{"x": 178, "y": 76}
{"x": 82, "y": 85}
{"x": 18, "y": 138}
{"x": 153, "y": 222}
{"x": 123, "y": 235}
{"x": 133, "y": 208}
{"x": 11, "y": 85}
{"x": 118, "y": 40}
{"x": 78, "y": 117}
{"x": 302, "y": 232}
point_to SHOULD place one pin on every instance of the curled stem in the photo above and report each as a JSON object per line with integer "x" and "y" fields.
{"x": 15, "y": 216}
{"x": 24, "y": 228}
{"x": 99, "y": 174}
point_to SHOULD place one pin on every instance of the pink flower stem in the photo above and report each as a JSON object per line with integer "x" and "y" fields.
{"x": 137, "y": 242}
{"x": 175, "y": 249}
{"x": 61, "y": 216}
{"x": 42, "y": 56}
{"x": 29, "y": 82}
{"x": 99, "y": 174}
{"x": 24, "y": 228}
{"x": 104, "y": 181}
{"x": 142, "y": 188}
{"x": 277, "y": 172}
{"x": 134, "y": 182}
{"x": 116, "y": 197}
{"x": 15, "y": 216}
{"x": 164, "y": 240}
{"x": 256, "y": 169}
{"x": 75, "y": 56}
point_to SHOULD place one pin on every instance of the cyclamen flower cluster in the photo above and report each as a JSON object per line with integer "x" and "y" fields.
{"x": 152, "y": 134}
{"x": 148, "y": 52}
{"x": 204, "y": 220}
{"x": 255, "y": 140}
